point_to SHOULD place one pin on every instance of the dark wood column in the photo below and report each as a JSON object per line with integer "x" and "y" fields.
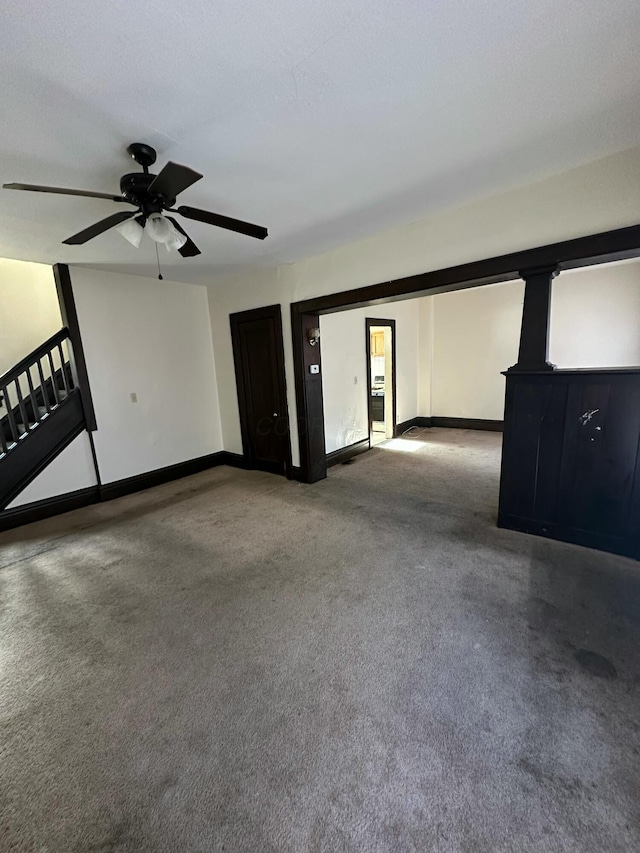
{"x": 313, "y": 459}
{"x": 534, "y": 334}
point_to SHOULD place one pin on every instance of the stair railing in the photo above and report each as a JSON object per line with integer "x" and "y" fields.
{"x": 32, "y": 389}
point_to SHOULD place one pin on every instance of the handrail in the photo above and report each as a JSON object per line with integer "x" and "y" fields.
{"x": 33, "y": 357}
{"x": 28, "y": 404}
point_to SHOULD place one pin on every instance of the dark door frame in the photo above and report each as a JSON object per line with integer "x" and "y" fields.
{"x": 607, "y": 246}
{"x": 375, "y": 321}
{"x": 268, "y": 312}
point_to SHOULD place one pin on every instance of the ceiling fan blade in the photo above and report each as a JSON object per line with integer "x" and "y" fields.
{"x": 173, "y": 179}
{"x": 99, "y": 227}
{"x": 189, "y": 250}
{"x": 224, "y": 222}
{"x": 35, "y": 188}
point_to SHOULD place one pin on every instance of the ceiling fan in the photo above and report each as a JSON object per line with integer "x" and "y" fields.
{"x": 152, "y": 196}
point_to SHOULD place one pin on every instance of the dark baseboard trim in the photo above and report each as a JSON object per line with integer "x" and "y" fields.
{"x": 39, "y": 510}
{"x": 234, "y": 460}
{"x": 109, "y": 491}
{"x": 450, "y": 423}
{"x": 345, "y": 453}
{"x": 237, "y": 460}
{"x": 49, "y": 507}
{"x": 414, "y": 422}
{"x": 468, "y": 423}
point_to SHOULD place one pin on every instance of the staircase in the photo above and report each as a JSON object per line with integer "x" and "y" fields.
{"x": 40, "y": 414}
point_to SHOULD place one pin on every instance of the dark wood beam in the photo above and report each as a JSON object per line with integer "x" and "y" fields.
{"x": 597, "y": 248}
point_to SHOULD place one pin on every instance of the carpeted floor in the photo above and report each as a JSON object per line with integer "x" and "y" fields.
{"x": 236, "y": 662}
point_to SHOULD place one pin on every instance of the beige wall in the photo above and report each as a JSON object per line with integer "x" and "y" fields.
{"x": 597, "y": 197}
{"x": 595, "y": 322}
{"x": 153, "y": 339}
{"x": 476, "y": 336}
{"x": 255, "y": 289}
{"x": 595, "y": 316}
{"x": 29, "y": 310}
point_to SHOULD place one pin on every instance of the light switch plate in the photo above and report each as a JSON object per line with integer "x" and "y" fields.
{"x": 314, "y": 368}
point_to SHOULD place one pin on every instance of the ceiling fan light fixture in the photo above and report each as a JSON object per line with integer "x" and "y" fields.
{"x": 162, "y": 231}
{"x": 131, "y": 231}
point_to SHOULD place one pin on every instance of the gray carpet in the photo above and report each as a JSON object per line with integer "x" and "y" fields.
{"x": 236, "y": 662}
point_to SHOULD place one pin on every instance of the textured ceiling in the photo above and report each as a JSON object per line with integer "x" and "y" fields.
{"x": 325, "y": 121}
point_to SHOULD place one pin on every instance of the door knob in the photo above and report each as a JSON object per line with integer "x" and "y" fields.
{"x": 275, "y": 414}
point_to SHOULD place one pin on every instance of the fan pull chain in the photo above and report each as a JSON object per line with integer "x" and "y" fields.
{"x": 158, "y": 260}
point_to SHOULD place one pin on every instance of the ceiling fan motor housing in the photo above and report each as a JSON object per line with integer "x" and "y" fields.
{"x": 135, "y": 188}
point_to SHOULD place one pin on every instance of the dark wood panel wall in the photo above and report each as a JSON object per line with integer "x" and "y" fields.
{"x": 570, "y": 466}
{"x": 570, "y": 463}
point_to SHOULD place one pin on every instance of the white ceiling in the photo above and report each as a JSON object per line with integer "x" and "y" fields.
{"x": 325, "y": 120}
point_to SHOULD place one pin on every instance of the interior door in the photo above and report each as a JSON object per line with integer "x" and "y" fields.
{"x": 259, "y": 363}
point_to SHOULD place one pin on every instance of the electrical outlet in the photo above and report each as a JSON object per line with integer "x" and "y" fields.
{"x": 134, "y": 397}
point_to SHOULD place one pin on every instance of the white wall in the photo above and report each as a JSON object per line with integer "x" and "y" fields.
{"x": 597, "y": 197}
{"x": 476, "y": 336}
{"x": 29, "y": 310}
{"x": 595, "y": 316}
{"x": 343, "y": 341}
{"x": 69, "y": 472}
{"x": 151, "y": 338}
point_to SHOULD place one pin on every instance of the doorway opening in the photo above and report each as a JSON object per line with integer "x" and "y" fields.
{"x": 381, "y": 378}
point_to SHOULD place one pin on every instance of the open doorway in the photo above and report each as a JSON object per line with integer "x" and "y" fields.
{"x": 381, "y": 378}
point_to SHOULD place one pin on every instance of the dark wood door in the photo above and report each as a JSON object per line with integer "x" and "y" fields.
{"x": 259, "y": 363}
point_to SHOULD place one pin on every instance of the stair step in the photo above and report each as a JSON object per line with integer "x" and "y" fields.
{"x": 22, "y": 429}
{"x": 42, "y": 415}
